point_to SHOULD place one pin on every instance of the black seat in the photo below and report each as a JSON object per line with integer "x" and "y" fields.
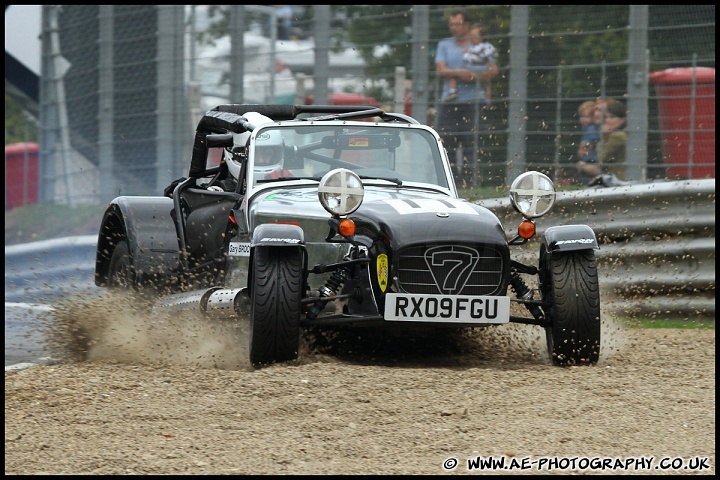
{"x": 206, "y": 214}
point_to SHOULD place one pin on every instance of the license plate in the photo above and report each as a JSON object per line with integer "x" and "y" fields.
{"x": 447, "y": 308}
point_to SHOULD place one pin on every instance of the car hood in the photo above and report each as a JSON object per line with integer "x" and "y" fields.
{"x": 400, "y": 216}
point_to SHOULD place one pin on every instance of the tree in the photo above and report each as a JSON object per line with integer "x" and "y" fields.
{"x": 19, "y": 125}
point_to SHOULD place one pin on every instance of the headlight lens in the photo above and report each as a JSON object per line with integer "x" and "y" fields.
{"x": 341, "y": 191}
{"x": 532, "y": 194}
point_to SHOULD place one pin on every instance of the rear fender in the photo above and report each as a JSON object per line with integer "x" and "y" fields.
{"x": 566, "y": 238}
{"x": 151, "y": 234}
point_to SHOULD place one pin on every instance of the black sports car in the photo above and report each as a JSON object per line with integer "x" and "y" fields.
{"x": 345, "y": 216}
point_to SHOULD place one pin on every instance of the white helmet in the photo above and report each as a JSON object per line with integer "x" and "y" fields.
{"x": 240, "y": 141}
{"x": 269, "y": 149}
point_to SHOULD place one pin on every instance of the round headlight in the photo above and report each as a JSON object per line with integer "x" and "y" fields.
{"x": 532, "y": 194}
{"x": 341, "y": 191}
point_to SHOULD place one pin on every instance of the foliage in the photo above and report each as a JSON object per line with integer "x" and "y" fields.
{"x": 19, "y": 126}
{"x": 556, "y": 33}
{"x": 699, "y": 40}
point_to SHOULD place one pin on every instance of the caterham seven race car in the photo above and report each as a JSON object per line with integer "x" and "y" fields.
{"x": 345, "y": 216}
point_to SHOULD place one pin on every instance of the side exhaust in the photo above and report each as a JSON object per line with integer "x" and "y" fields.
{"x": 215, "y": 302}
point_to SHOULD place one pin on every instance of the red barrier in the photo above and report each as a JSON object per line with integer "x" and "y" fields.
{"x": 21, "y": 174}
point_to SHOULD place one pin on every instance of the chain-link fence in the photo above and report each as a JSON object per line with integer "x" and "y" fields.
{"x": 123, "y": 86}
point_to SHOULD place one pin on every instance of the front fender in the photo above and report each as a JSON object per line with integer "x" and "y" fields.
{"x": 278, "y": 234}
{"x": 147, "y": 225}
{"x": 566, "y": 238}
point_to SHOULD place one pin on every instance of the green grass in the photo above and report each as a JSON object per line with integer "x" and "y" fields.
{"x": 481, "y": 193}
{"x": 683, "y": 324}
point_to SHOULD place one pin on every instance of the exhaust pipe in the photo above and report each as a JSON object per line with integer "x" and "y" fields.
{"x": 215, "y": 302}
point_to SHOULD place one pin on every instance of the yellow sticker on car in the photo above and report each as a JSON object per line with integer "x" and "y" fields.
{"x": 382, "y": 271}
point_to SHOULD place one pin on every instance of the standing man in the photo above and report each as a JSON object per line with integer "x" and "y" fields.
{"x": 461, "y": 114}
{"x": 284, "y": 14}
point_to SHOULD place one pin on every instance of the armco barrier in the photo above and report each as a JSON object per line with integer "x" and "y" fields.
{"x": 657, "y": 242}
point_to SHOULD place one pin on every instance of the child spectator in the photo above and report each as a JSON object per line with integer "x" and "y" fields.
{"x": 587, "y": 149}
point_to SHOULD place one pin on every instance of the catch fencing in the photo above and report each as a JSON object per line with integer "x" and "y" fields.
{"x": 122, "y": 85}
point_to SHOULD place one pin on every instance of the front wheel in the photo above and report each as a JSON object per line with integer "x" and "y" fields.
{"x": 275, "y": 295}
{"x": 569, "y": 282}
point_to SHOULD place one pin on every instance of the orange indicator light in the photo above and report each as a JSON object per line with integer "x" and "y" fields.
{"x": 347, "y": 227}
{"x": 526, "y": 229}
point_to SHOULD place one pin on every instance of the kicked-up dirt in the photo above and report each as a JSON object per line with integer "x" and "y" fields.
{"x": 138, "y": 394}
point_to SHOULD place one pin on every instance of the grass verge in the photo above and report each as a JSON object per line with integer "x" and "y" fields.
{"x": 683, "y": 324}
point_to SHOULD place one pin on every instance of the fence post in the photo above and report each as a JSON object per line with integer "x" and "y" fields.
{"x": 322, "y": 53}
{"x": 106, "y": 107}
{"x": 558, "y": 125}
{"x": 399, "y": 94}
{"x": 637, "y": 90}
{"x": 419, "y": 64}
{"x": 517, "y": 92}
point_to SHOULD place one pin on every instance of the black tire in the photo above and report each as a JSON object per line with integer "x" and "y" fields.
{"x": 121, "y": 274}
{"x": 569, "y": 282}
{"x": 275, "y": 295}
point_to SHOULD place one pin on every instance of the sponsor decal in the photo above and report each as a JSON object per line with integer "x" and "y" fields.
{"x": 281, "y": 240}
{"x": 238, "y": 249}
{"x": 382, "y": 271}
{"x": 358, "y": 142}
{"x": 578, "y": 240}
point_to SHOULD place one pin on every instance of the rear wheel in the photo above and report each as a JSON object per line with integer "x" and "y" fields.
{"x": 121, "y": 275}
{"x": 275, "y": 295}
{"x": 569, "y": 282}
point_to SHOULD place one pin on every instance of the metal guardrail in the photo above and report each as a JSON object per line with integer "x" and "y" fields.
{"x": 657, "y": 242}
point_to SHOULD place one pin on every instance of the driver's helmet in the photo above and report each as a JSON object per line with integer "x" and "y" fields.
{"x": 269, "y": 146}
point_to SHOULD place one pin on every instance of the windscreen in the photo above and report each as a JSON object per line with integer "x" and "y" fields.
{"x": 408, "y": 155}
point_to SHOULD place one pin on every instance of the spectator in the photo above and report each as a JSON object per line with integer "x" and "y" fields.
{"x": 478, "y": 53}
{"x": 282, "y": 70}
{"x": 461, "y": 116}
{"x": 587, "y": 166}
{"x": 283, "y": 16}
{"x": 613, "y": 140}
{"x": 589, "y": 169}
